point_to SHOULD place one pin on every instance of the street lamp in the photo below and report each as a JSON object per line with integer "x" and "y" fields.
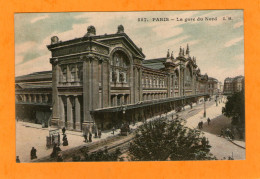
{"x": 204, "y": 114}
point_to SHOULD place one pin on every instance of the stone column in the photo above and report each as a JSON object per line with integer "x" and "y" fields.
{"x": 40, "y": 98}
{"x": 140, "y": 85}
{"x": 62, "y": 113}
{"x": 95, "y": 85}
{"x": 55, "y": 98}
{"x": 46, "y": 98}
{"x": 105, "y": 82}
{"x": 86, "y": 90}
{"x": 169, "y": 85}
{"x": 69, "y": 113}
{"x": 68, "y": 74}
{"x": 173, "y": 86}
{"x": 77, "y": 111}
{"x": 30, "y": 98}
{"x": 76, "y": 73}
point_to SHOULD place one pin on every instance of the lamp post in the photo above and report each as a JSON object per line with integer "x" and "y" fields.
{"x": 204, "y": 114}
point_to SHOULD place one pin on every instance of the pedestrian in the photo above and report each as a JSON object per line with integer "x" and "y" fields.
{"x": 59, "y": 158}
{"x": 201, "y": 125}
{"x": 52, "y": 139}
{"x": 33, "y": 153}
{"x": 90, "y": 137}
{"x": 86, "y": 138}
{"x": 65, "y": 140}
{"x": 99, "y": 133}
{"x": 63, "y": 130}
{"x": 113, "y": 130}
{"x": 17, "y": 159}
{"x": 55, "y": 151}
{"x": 58, "y": 138}
{"x": 208, "y": 121}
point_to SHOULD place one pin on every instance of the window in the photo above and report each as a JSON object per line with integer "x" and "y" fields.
{"x": 73, "y": 74}
{"x": 119, "y": 68}
{"x": 64, "y": 75}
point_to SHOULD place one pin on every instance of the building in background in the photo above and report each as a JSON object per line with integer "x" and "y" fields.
{"x": 232, "y": 85}
{"x": 212, "y": 86}
{"x": 102, "y": 81}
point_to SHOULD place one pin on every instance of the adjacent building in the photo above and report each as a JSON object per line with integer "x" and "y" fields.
{"x": 232, "y": 85}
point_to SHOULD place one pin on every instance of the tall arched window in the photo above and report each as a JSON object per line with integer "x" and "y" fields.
{"x": 119, "y": 67}
{"x": 188, "y": 77}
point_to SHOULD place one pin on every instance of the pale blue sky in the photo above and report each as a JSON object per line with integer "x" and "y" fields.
{"x": 217, "y": 45}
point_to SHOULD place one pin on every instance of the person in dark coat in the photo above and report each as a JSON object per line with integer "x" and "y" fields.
{"x": 201, "y": 125}
{"x": 55, "y": 151}
{"x": 113, "y": 130}
{"x": 86, "y": 138}
{"x": 208, "y": 121}
{"x": 33, "y": 153}
{"x": 58, "y": 138}
{"x": 99, "y": 133}
{"x": 90, "y": 137}
{"x": 63, "y": 130}
{"x": 59, "y": 158}
{"x": 17, "y": 159}
{"x": 65, "y": 140}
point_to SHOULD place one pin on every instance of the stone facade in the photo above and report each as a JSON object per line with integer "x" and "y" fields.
{"x": 99, "y": 81}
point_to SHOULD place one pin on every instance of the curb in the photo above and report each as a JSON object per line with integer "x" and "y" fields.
{"x": 236, "y": 144}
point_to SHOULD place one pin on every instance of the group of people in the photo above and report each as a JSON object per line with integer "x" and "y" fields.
{"x": 200, "y": 124}
{"x": 56, "y": 153}
{"x": 88, "y": 137}
{"x": 88, "y": 134}
{"x": 226, "y": 133}
{"x": 64, "y": 139}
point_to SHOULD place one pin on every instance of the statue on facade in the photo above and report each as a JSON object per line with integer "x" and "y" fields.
{"x": 120, "y": 29}
{"x": 121, "y": 77}
{"x": 91, "y": 31}
{"x": 114, "y": 76}
{"x": 54, "y": 40}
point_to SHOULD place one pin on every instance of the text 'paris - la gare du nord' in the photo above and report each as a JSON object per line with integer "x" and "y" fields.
{"x": 144, "y": 19}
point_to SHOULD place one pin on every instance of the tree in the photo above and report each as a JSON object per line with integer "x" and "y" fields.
{"x": 235, "y": 108}
{"x": 160, "y": 140}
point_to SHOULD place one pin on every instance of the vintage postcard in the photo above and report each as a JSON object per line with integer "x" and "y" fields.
{"x": 129, "y": 86}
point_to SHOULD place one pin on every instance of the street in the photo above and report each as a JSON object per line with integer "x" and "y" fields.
{"x": 30, "y": 135}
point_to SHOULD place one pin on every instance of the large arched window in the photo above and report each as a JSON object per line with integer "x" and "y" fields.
{"x": 188, "y": 77}
{"x": 119, "y": 67}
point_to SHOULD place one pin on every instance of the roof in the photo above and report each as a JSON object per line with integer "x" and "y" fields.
{"x": 156, "y": 63}
{"x": 34, "y": 86}
{"x": 99, "y": 38}
{"x": 37, "y": 76}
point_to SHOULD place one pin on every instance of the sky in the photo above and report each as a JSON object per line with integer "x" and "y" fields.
{"x": 217, "y": 44}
